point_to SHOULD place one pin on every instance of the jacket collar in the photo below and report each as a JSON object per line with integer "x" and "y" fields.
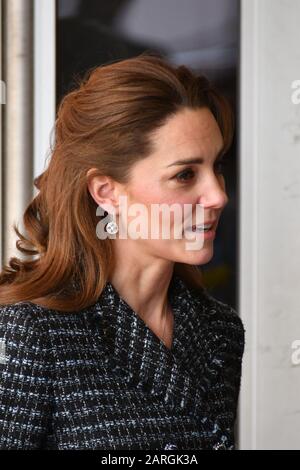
{"x": 183, "y": 377}
{"x": 139, "y": 357}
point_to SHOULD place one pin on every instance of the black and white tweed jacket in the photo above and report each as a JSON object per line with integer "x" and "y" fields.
{"x": 100, "y": 378}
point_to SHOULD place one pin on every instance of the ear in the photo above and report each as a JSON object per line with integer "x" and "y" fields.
{"x": 104, "y": 190}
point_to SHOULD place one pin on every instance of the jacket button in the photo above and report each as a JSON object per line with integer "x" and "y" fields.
{"x": 170, "y": 446}
{"x": 220, "y": 446}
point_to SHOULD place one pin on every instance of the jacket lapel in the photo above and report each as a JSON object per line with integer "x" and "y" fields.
{"x": 139, "y": 357}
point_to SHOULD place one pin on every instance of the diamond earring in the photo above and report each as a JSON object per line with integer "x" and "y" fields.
{"x": 112, "y": 227}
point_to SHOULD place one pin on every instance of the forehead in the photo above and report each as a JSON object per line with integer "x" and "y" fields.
{"x": 190, "y": 131}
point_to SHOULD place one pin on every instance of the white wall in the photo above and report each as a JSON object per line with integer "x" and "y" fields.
{"x": 269, "y": 301}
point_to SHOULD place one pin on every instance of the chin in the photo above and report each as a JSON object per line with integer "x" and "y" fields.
{"x": 202, "y": 256}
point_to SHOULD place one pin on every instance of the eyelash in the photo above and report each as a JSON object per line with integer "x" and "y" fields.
{"x": 221, "y": 163}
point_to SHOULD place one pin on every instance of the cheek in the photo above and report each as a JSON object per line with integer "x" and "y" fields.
{"x": 153, "y": 193}
{"x": 148, "y": 194}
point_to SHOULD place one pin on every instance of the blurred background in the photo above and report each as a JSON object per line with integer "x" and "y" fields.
{"x": 249, "y": 50}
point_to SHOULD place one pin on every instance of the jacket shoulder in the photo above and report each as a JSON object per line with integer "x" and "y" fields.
{"x": 224, "y": 314}
{"x": 49, "y": 333}
{"x": 228, "y": 325}
{"x": 26, "y": 322}
{"x": 21, "y": 330}
{"x": 223, "y": 325}
{"x": 29, "y": 313}
{"x": 21, "y": 314}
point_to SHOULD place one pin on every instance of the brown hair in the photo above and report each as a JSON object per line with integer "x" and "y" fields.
{"x": 104, "y": 123}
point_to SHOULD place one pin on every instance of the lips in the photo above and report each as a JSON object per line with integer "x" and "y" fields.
{"x": 208, "y": 222}
{"x": 212, "y": 222}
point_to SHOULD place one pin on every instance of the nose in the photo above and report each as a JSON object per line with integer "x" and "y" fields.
{"x": 212, "y": 192}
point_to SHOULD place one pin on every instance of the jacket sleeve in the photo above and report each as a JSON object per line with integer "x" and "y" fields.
{"x": 25, "y": 377}
{"x": 227, "y": 351}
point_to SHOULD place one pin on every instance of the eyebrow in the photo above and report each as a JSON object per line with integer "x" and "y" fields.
{"x": 192, "y": 160}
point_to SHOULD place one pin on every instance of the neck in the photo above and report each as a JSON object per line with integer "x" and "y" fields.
{"x": 145, "y": 289}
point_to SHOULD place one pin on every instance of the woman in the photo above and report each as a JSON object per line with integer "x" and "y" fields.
{"x": 110, "y": 341}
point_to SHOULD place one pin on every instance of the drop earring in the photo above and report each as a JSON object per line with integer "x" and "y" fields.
{"x": 112, "y": 226}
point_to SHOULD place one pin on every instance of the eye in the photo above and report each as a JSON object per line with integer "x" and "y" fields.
{"x": 185, "y": 175}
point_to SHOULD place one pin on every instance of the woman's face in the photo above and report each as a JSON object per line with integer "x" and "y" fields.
{"x": 158, "y": 179}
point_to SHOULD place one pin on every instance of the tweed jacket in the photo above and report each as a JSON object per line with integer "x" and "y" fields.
{"x": 99, "y": 378}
